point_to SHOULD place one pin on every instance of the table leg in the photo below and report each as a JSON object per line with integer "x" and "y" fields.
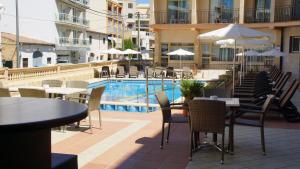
{"x": 231, "y": 132}
{"x": 26, "y": 149}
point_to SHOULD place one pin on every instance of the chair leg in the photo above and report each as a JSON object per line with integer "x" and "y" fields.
{"x": 223, "y": 148}
{"x": 191, "y": 145}
{"x": 169, "y": 126}
{"x": 162, "y": 136}
{"x": 262, "y": 132}
{"x": 100, "y": 119}
{"x": 90, "y": 121}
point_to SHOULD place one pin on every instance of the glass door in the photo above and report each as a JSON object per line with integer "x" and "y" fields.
{"x": 179, "y": 12}
{"x": 296, "y": 11}
{"x": 262, "y": 8}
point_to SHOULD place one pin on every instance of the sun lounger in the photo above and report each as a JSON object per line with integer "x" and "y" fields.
{"x": 133, "y": 72}
{"x": 120, "y": 72}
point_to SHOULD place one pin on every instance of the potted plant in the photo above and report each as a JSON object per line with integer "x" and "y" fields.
{"x": 189, "y": 90}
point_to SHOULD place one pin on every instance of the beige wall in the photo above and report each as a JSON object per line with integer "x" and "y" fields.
{"x": 291, "y": 62}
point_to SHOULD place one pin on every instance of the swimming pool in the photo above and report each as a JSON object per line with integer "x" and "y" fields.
{"x": 130, "y": 95}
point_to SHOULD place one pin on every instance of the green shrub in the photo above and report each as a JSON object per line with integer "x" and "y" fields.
{"x": 191, "y": 88}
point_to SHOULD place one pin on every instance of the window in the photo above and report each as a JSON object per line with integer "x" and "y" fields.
{"x": 49, "y": 61}
{"x": 294, "y": 44}
{"x": 179, "y": 11}
{"x": 130, "y": 5}
{"x": 104, "y": 40}
{"x": 130, "y": 15}
{"x": 222, "y": 54}
{"x": 37, "y": 58}
{"x": 25, "y": 62}
{"x": 90, "y": 39}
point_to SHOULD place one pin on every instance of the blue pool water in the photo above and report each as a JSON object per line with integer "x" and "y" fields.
{"x": 134, "y": 91}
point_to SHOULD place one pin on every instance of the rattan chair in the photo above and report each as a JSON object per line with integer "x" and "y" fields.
{"x": 93, "y": 102}
{"x": 207, "y": 116}
{"x": 258, "y": 122}
{"x": 105, "y": 72}
{"x": 168, "y": 117}
{"x": 4, "y": 92}
{"x": 25, "y": 92}
{"x": 52, "y": 83}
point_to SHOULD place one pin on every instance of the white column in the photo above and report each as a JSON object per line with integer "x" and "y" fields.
{"x": 272, "y": 9}
{"x": 1, "y": 10}
{"x": 242, "y": 11}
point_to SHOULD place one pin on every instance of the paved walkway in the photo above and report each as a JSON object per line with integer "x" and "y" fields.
{"x": 282, "y": 146}
{"x": 131, "y": 141}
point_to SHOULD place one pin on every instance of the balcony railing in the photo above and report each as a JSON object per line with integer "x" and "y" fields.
{"x": 173, "y": 17}
{"x": 81, "y": 2}
{"x": 224, "y": 16}
{"x": 74, "y": 42}
{"x": 70, "y": 19}
{"x": 287, "y": 13}
{"x": 257, "y": 15}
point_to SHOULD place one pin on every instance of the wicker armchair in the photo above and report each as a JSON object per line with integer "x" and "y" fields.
{"x": 4, "y": 92}
{"x": 258, "y": 122}
{"x": 24, "y": 92}
{"x": 52, "y": 83}
{"x": 168, "y": 117}
{"x": 105, "y": 72}
{"x": 207, "y": 116}
{"x": 93, "y": 102}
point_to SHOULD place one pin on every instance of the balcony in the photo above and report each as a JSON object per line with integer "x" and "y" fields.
{"x": 73, "y": 42}
{"x": 79, "y": 3}
{"x": 257, "y": 15}
{"x": 226, "y": 16}
{"x": 114, "y": 15}
{"x": 287, "y": 13}
{"x": 173, "y": 17}
{"x": 64, "y": 18}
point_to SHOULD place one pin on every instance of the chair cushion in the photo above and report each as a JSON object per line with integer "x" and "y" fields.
{"x": 246, "y": 122}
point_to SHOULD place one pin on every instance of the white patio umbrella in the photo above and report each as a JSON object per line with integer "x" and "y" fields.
{"x": 273, "y": 52}
{"x": 249, "y": 53}
{"x": 112, "y": 51}
{"x": 130, "y": 51}
{"x": 180, "y": 53}
{"x": 235, "y": 32}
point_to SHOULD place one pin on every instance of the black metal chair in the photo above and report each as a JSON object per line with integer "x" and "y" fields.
{"x": 257, "y": 122}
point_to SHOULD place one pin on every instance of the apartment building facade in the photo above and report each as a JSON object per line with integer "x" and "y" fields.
{"x": 177, "y": 23}
{"x": 114, "y": 23}
{"x": 59, "y": 22}
{"x": 146, "y": 35}
{"x": 131, "y": 9}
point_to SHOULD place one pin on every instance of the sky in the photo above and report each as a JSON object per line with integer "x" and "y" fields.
{"x": 143, "y": 1}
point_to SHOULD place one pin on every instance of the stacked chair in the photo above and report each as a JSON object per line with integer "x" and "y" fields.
{"x": 254, "y": 89}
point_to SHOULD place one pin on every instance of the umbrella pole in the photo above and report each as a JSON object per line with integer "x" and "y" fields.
{"x": 233, "y": 71}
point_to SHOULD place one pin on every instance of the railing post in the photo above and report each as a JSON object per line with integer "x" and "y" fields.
{"x": 58, "y": 69}
{"x": 173, "y": 85}
{"x": 6, "y": 74}
{"x": 162, "y": 81}
{"x": 147, "y": 89}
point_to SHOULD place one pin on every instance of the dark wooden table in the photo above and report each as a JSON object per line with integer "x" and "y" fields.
{"x": 25, "y": 129}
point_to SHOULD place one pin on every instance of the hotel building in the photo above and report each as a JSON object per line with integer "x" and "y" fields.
{"x": 177, "y": 23}
{"x": 59, "y": 22}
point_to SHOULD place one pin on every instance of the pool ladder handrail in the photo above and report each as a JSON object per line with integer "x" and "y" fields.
{"x": 162, "y": 83}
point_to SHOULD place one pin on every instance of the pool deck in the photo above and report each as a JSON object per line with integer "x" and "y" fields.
{"x": 131, "y": 141}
